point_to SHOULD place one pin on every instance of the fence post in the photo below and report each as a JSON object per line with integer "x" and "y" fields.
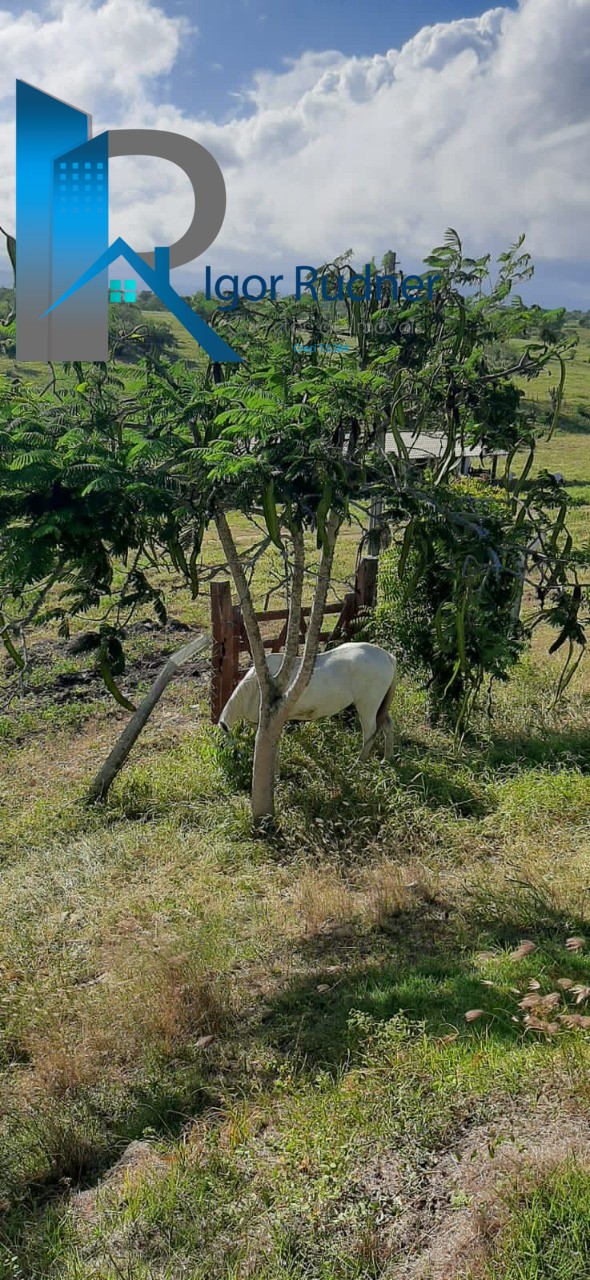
{"x": 346, "y": 617}
{"x": 224, "y": 647}
{"x": 365, "y": 585}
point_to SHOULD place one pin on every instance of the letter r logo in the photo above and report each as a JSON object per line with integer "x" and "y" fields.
{"x": 62, "y": 229}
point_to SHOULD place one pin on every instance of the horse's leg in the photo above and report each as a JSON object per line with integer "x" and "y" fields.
{"x": 368, "y": 721}
{"x": 388, "y": 738}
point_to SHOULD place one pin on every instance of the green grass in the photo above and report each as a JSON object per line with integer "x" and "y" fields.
{"x": 326, "y": 970}
{"x": 188, "y": 349}
{"x": 282, "y": 1022}
{"x": 548, "y": 1233}
{"x": 577, "y": 380}
{"x": 568, "y": 451}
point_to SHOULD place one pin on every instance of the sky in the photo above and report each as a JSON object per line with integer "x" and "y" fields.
{"x": 363, "y": 124}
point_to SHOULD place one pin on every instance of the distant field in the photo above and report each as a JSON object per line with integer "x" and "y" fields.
{"x": 188, "y": 349}
{"x": 568, "y": 450}
{"x": 577, "y": 389}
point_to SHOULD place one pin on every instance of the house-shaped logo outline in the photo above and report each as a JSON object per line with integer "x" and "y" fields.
{"x": 159, "y": 279}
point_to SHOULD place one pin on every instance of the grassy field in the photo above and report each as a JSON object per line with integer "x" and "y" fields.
{"x": 225, "y": 1058}
{"x": 188, "y": 350}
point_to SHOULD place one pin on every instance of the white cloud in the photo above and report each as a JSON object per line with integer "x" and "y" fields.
{"x": 482, "y": 123}
{"x": 80, "y": 50}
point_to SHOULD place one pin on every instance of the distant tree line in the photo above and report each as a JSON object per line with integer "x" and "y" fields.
{"x": 580, "y": 318}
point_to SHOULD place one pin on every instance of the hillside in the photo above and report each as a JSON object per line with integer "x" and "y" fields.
{"x": 226, "y": 1058}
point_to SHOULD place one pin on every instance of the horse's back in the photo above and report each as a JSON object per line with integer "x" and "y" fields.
{"x": 343, "y": 676}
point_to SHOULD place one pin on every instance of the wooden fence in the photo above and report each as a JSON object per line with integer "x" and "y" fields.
{"x": 229, "y": 637}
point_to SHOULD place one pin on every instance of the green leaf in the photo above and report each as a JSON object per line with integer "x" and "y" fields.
{"x": 11, "y": 249}
{"x": 561, "y": 639}
{"x": 270, "y": 513}
{"x": 321, "y": 513}
{"x": 107, "y": 676}
{"x": 8, "y": 645}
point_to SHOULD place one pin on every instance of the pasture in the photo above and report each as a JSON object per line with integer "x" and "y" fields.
{"x": 278, "y": 1028}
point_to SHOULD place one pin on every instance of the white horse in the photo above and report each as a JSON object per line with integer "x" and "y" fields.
{"x": 355, "y": 674}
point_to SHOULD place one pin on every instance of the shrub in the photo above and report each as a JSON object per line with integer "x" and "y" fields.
{"x": 450, "y": 607}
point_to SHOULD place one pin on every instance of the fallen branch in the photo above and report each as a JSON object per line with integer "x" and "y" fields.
{"x": 134, "y": 726}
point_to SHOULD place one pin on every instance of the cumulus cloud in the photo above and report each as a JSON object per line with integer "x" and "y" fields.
{"x": 481, "y": 123}
{"x": 82, "y": 51}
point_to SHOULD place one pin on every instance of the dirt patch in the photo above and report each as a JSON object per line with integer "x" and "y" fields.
{"x": 439, "y": 1229}
{"x": 86, "y": 683}
{"x": 446, "y": 1228}
{"x": 138, "y": 1159}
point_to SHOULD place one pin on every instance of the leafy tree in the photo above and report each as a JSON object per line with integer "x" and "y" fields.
{"x": 451, "y": 610}
{"x": 205, "y": 307}
{"x": 295, "y": 445}
{"x": 7, "y": 301}
{"x": 92, "y": 477}
{"x": 150, "y": 301}
{"x": 80, "y": 491}
{"x": 461, "y": 554}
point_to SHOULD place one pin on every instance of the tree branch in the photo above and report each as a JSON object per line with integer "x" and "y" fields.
{"x": 134, "y": 726}
{"x": 301, "y": 680}
{"x": 267, "y": 684}
{"x": 294, "y": 623}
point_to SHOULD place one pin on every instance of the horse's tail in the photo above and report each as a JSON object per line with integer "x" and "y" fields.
{"x": 383, "y": 710}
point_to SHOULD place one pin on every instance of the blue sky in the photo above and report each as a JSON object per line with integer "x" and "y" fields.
{"x": 363, "y": 124}
{"x": 235, "y": 38}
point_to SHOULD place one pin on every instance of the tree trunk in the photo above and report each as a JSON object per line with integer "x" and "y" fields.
{"x": 376, "y": 507}
{"x": 264, "y": 773}
{"x": 277, "y": 697}
{"x": 115, "y": 761}
{"x": 519, "y": 589}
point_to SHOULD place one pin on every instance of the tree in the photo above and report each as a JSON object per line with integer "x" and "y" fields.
{"x": 93, "y": 477}
{"x": 296, "y": 446}
{"x": 461, "y": 555}
{"x": 205, "y": 307}
{"x": 7, "y": 312}
{"x": 451, "y": 613}
{"x": 150, "y": 301}
{"x": 439, "y": 375}
{"x": 81, "y": 491}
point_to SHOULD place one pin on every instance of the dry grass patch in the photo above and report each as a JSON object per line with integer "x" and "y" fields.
{"x": 154, "y": 1000}
{"x": 389, "y": 889}
{"x": 455, "y": 1225}
{"x": 323, "y": 900}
